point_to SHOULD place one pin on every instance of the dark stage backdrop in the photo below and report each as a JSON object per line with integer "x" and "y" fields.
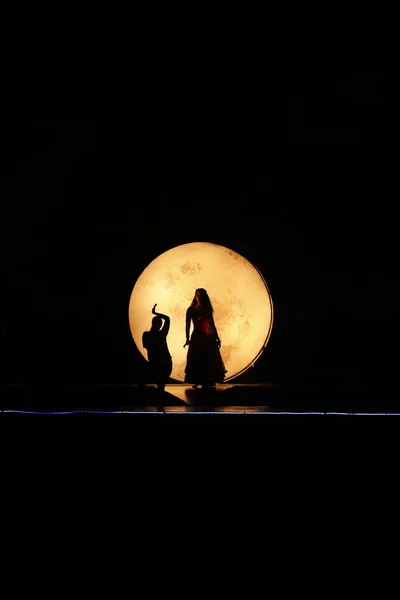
{"x": 87, "y": 204}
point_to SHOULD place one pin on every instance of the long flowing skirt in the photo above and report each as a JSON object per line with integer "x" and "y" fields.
{"x": 204, "y": 362}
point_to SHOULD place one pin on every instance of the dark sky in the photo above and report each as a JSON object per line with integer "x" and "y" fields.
{"x": 301, "y": 185}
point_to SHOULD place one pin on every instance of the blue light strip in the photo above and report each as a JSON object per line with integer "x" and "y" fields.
{"x": 69, "y": 412}
{"x": 184, "y": 412}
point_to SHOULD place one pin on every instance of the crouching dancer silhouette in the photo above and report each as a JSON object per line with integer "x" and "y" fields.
{"x": 158, "y": 355}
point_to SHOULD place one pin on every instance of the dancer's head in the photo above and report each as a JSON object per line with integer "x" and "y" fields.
{"x": 156, "y": 323}
{"x": 201, "y": 297}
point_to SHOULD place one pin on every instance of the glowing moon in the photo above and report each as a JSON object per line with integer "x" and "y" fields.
{"x": 243, "y": 310}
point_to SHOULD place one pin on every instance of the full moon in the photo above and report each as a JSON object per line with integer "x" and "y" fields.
{"x": 243, "y": 309}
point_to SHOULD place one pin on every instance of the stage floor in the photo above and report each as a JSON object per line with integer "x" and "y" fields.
{"x": 268, "y": 399}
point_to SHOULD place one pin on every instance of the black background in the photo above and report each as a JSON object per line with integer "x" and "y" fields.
{"x": 299, "y": 181}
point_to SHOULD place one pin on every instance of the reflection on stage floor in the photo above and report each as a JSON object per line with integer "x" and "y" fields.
{"x": 180, "y": 398}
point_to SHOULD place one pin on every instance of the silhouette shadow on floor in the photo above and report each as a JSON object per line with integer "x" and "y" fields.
{"x": 57, "y": 397}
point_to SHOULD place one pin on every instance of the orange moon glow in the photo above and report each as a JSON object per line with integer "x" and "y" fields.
{"x": 243, "y": 309}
